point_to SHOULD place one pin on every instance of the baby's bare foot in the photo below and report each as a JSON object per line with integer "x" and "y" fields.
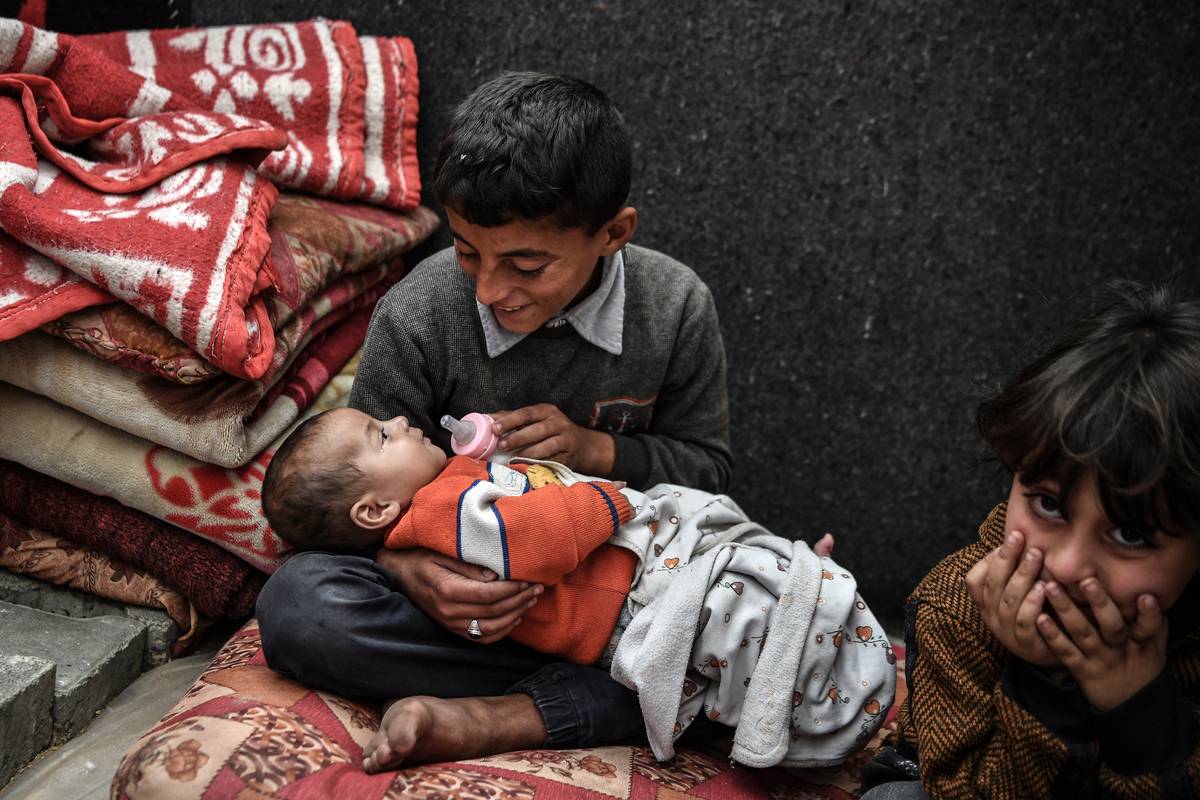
{"x": 417, "y": 730}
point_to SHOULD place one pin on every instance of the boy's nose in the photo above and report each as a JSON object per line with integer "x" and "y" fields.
{"x": 488, "y": 286}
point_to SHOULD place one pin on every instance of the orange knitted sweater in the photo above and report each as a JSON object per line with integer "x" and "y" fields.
{"x": 555, "y": 535}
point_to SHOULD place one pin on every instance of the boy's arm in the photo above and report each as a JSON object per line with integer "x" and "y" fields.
{"x": 688, "y": 442}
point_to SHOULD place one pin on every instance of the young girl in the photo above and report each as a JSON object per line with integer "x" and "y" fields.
{"x": 1060, "y": 654}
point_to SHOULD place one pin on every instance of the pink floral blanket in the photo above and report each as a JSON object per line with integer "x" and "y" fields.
{"x": 217, "y": 504}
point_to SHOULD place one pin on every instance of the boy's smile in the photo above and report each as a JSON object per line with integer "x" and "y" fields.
{"x": 527, "y": 271}
{"x": 1078, "y": 541}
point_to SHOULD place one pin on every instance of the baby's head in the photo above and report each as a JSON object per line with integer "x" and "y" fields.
{"x": 1102, "y": 434}
{"x": 342, "y": 479}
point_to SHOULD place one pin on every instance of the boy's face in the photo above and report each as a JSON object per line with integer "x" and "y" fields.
{"x": 396, "y": 459}
{"x": 527, "y": 271}
{"x": 1079, "y": 541}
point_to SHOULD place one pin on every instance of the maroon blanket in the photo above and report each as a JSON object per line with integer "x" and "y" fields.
{"x": 219, "y": 584}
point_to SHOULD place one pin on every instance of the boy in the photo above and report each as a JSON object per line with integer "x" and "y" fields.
{"x": 1060, "y": 654}
{"x": 344, "y": 480}
{"x": 607, "y": 357}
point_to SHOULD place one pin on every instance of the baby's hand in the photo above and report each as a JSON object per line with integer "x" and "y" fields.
{"x": 1111, "y": 660}
{"x": 1005, "y": 588}
{"x": 824, "y": 546}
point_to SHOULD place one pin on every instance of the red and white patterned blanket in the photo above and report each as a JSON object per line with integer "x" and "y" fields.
{"x": 152, "y": 197}
{"x": 348, "y": 104}
{"x": 165, "y": 212}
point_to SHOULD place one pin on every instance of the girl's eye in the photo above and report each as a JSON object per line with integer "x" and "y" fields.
{"x": 1129, "y": 537}
{"x": 1044, "y": 505}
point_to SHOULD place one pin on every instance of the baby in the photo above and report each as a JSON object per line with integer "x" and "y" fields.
{"x": 605, "y": 554}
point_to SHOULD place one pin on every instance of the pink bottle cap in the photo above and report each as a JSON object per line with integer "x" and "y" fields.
{"x": 472, "y": 436}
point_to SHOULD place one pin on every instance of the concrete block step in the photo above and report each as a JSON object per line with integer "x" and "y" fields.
{"x": 95, "y": 658}
{"x": 26, "y": 701}
{"x": 161, "y": 630}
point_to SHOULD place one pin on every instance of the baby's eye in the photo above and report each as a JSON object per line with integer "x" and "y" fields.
{"x": 1044, "y": 505}
{"x": 383, "y": 434}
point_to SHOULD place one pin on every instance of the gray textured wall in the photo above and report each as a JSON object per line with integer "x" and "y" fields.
{"x": 887, "y": 199}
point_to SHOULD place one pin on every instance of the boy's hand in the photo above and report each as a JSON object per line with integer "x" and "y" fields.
{"x": 452, "y": 592}
{"x": 1009, "y": 596}
{"x": 543, "y": 431}
{"x": 1110, "y": 660}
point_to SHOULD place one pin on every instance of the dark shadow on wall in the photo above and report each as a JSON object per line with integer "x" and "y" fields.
{"x": 887, "y": 200}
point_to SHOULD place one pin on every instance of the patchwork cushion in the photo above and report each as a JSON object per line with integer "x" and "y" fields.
{"x": 244, "y": 731}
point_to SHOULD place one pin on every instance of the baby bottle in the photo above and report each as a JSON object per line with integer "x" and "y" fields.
{"x": 472, "y": 436}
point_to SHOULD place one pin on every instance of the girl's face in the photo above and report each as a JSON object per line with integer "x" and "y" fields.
{"x": 1078, "y": 541}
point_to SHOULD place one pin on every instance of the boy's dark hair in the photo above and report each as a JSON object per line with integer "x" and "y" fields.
{"x": 308, "y": 503}
{"x": 532, "y": 145}
{"x": 1117, "y": 394}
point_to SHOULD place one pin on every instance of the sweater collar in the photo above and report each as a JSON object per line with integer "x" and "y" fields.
{"x": 599, "y": 318}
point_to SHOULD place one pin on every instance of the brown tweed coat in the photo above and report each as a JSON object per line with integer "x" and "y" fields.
{"x": 982, "y": 724}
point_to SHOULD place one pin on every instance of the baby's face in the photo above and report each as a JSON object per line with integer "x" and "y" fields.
{"x": 396, "y": 459}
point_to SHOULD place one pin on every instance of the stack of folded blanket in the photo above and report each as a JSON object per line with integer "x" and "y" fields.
{"x": 195, "y": 226}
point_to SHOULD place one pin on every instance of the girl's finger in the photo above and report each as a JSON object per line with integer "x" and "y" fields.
{"x": 1025, "y": 623}
{"x": 1028, "y": 565}
{"x": 1111, "y": 624}
{"x": 1073, "y": 622}
{"x": 1004, "y": 561}
{"x": 1058, "y": 642}
{"x": 975, "y": 578}
{"x": 1149, "y": 619}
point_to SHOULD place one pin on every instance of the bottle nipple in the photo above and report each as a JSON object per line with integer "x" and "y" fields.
{"x": 471, "y": 436}
{"x": 463, "y": 431}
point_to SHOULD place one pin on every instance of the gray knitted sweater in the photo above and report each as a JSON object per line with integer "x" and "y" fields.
{"x": 664, "y": 398}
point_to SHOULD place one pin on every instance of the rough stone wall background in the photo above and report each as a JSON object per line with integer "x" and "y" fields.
{"x": 887, "y": 198}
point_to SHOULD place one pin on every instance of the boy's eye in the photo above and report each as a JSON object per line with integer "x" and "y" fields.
{"x": 529, "y": 273}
